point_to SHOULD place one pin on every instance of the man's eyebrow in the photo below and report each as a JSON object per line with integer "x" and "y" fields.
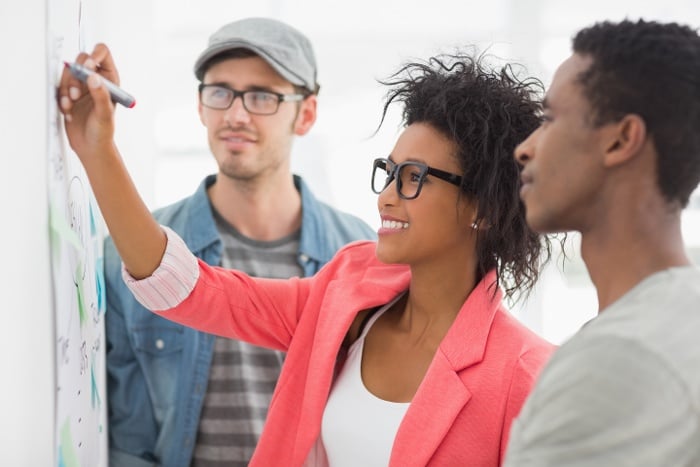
{"x": 254, "y": 87}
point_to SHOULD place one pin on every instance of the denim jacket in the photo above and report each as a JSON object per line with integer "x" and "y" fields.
{"x": 157, "y": 370}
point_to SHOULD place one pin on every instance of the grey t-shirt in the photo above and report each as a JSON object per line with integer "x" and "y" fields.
{"x": 242, "y": 376}
{"x": 625, "y": 390}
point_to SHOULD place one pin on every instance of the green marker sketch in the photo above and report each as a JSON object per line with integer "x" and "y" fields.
{"x": 61, "y": 229}
{"x": 81, "y": 294}
{"x": 60, "y": 232}
{"x": 67, "y": 457}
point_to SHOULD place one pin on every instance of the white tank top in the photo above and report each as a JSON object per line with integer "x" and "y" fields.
{"x": 358, "y": 428}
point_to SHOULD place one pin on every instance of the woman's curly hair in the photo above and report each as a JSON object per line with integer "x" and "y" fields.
{"x": 486, "y": 112}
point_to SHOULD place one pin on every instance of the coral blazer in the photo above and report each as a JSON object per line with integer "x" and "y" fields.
{"x": 462, "y": 412}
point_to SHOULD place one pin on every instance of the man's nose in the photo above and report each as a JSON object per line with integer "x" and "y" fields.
{"x": 237, "y": 111}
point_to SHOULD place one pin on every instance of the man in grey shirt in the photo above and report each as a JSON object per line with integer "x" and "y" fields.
{"x": 616, "y": 158}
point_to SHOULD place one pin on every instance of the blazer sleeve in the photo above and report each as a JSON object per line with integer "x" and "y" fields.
{"x": 224, "y": 302}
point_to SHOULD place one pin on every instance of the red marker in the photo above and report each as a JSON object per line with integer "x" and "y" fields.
{"x": 118, "y": 94}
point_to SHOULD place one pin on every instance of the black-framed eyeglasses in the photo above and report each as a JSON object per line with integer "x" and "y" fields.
{"x": 219, "y": 97}
{"x": 409, "y": 176}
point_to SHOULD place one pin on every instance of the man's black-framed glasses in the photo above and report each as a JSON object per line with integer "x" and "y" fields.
{"x": 409, "y": 176}
{"x": 220, "y": 97}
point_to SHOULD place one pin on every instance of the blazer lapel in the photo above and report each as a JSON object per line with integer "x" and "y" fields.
{"x": 430, "y": 415}
{"x": 344, "y": 298}
{"x": 443, "y": 394}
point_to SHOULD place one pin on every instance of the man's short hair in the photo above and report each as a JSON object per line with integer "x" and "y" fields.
{"x": 652, "y": 70}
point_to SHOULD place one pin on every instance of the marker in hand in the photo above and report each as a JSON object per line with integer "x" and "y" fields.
{"x": 118, "y": 94}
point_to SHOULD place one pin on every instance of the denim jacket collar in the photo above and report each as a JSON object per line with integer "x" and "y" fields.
{"x": 200, "y": 232}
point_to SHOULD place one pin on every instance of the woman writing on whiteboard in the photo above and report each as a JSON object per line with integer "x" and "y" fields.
{"x": 399, "y": 352}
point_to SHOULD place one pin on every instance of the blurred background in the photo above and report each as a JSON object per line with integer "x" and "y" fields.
{"x": 155, "y": 43}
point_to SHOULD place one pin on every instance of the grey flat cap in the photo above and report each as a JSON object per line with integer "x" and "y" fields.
{"x": 286, "y": 49}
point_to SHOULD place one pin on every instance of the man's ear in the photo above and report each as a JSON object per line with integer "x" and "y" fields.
{"x": 624, "y": 139}
{"x": 306, "y": 115}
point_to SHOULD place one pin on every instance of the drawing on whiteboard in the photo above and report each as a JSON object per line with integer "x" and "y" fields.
{"x": 76, "y": 236}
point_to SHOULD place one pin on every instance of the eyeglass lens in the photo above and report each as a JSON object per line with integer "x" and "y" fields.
{"x": 409, "y": 179}
{"x": 259, "y": 102}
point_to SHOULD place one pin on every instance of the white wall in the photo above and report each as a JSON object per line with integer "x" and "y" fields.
{"x": 26, "y": 333}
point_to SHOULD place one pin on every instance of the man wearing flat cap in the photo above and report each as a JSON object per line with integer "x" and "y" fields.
{"x": 179, "y": 397}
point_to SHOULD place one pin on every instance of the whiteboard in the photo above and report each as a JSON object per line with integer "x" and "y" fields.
{"x": 76, "y": 235}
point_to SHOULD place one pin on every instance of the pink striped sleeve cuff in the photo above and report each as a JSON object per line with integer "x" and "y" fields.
{"x": 172, "y": 282}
